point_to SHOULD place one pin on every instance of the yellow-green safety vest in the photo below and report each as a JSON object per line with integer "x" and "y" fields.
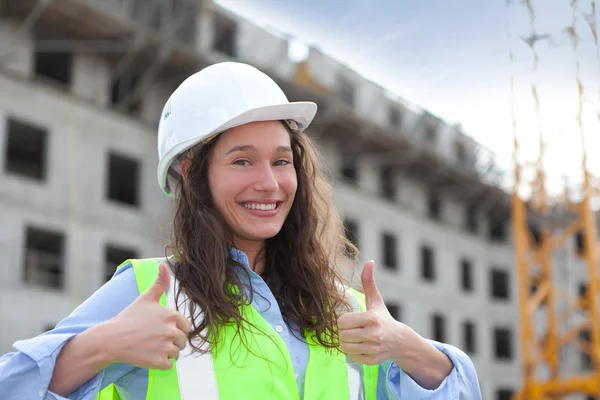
{"x": 231, "y": 372}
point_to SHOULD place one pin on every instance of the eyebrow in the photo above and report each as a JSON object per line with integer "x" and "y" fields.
{"x": 249, "y": 147}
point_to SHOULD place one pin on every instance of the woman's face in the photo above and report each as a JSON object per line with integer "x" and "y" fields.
{"x": 253, "y": 180}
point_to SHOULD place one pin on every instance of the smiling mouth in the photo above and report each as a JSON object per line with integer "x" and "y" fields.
{"x": 262, "y": 206}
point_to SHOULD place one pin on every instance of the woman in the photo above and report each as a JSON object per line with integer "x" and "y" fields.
{"x": 249, "y": 304}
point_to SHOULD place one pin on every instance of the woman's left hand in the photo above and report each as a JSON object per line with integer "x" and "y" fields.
{"x": 374, "y": 336}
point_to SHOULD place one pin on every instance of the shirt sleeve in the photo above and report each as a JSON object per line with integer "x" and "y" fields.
{"x": 26, "y": 373}
{"x": 461, "y": 384}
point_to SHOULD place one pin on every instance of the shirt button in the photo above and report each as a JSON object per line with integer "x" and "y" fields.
{"x": 41, "y": 393}
{"x": 279, "y": 328}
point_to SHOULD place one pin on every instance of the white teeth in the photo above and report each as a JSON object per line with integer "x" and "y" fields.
{"x": 263, "y": 207}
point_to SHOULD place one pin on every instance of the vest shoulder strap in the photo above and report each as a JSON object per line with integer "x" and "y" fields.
{"x": 146, "y": 272}
{"x": 370, "y": 373}
{"x": 357, "y": 298}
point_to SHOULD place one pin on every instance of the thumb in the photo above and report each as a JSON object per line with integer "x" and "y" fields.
{"x": 160, "y": 285}
{"x": 372, "y": 296}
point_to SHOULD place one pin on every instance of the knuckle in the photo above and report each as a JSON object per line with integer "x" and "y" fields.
{"x": 171, "y": 332}
{"x": 182, "y": 345}
{"x": 159, "y": 362}
{"x": 166, "y": 348}
{"x": 186, "y": 324}
{"x": 370, "y": 359}
{"x": 378, "y": 335}
{"x": 366, "y": 349}
{"x": 165, "y": 364}
{"x": 372, "y": 318}
{"x": 174, "y": 353}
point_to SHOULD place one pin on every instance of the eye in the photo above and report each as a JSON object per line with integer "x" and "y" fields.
{"x": 242, "y": 162}
{"x": 282, "y": 162}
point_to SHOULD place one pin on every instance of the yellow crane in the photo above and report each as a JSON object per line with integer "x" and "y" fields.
{"x": 568, "y": 319}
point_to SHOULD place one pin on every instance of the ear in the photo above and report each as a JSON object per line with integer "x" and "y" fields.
{"x": 185, "y": 166}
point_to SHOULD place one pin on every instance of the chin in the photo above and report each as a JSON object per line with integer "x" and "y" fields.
{"x": 264, "y": 233}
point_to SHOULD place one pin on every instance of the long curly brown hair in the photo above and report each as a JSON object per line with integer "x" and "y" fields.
{"x": 299, "y": 262}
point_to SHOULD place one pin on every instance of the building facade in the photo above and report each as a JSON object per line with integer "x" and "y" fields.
{"x": 79, "y": 108}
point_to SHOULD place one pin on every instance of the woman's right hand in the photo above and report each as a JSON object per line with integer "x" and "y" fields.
{"x": 146, "y": 334}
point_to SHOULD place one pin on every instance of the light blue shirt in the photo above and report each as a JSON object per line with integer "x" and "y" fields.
{"x": 25, "y": 374}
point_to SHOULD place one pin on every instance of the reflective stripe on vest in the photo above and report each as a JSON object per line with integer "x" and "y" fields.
{"x": 230, "y": 371}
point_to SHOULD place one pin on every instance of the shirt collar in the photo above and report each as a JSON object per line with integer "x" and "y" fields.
{"x": 242, "y": 259}
{"x": 239, "y": 256}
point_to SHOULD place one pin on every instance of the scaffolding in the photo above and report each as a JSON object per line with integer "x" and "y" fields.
{"x": 551, "y": 316}
{"x": 143, "y": 40}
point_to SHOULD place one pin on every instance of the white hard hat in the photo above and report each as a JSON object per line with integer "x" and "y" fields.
{"x": 213, "y": 100}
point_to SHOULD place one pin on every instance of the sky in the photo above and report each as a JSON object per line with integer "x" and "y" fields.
{"x": 452, "y": 59}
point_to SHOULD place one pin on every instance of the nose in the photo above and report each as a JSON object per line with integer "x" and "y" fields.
{"x": 266, "y": 180}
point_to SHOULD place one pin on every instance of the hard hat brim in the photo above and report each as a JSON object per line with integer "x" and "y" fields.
{"x": 301, "y": 112}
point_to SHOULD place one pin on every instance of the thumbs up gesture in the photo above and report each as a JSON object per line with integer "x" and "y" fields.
{"x": 373, "y": 336}
{"x": 148, "y": 335}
